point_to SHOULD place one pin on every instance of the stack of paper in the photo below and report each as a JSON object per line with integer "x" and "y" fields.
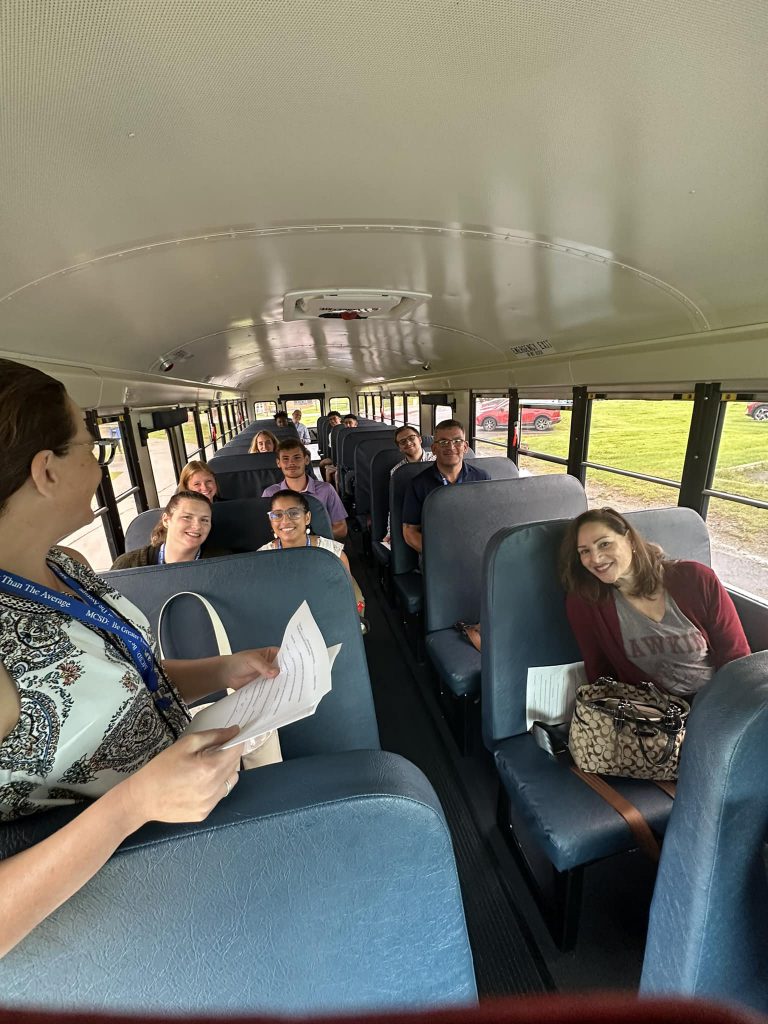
{"x": 304, "y": 679}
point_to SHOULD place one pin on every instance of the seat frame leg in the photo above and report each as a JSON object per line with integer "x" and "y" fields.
{"x": 557, "y": 893}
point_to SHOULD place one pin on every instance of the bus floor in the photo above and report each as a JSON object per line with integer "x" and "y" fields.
{"x": 513, "y": 951}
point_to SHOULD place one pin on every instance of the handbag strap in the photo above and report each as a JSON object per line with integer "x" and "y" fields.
{"x": 639, "y": 827}
{"x": 670, "y": 788}
{"x": 219, "y": 633}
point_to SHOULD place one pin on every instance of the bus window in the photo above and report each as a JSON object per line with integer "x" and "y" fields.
{"x": 443, "y": 412}
{"x": 413, "y": 411}
{"x": 636, "y": 452}
{"x": 342, "y": 404}
{"x": 739, "y": 530}
{"x": 191, "y": 445}
{"x": 205, "y": 425}
{"x": 310, "y": 410}
{"x": 545, "y": 427}
{"x": 264, "y": 410}
{"x": 361, "y": 405}
{"x": 162, "y": 465}
{"x": 399, "y": 410}
{"x": 488, "y": 434}
{"x": 91, "y": 542}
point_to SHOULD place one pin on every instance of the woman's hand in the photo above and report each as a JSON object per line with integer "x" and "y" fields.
{"x": 242, "y": 668}
{"x": 184, "y": 782}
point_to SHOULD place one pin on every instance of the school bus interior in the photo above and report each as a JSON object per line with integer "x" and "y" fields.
{"x": 546, "y": 220}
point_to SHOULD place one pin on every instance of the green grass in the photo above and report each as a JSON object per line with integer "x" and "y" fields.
{"x": 650, "y": 437}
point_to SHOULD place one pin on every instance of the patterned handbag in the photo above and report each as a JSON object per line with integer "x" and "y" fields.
{"x": 625, "y": 730}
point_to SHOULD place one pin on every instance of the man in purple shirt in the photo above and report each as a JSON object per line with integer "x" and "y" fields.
{"x": 294, "y": 459}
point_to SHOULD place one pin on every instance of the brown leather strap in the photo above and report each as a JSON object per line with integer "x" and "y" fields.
{"x": 670, "y": 788}
{"x": 641, "y": 830}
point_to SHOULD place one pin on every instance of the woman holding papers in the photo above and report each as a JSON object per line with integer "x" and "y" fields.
{"x": 87, "y": 713}
{"x": 290, "y": 518}
{"x": 638, "y": 615}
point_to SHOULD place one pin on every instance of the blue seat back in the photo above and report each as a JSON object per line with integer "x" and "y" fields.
{"x": 523, "y": 606}
{"x": 458, "y": 522}
{"x": 405, "y": 559}
{"x": 305, "y": 863}
{"x": 347, "y": 441}
{"x": 245, "y": 479}
{"x": 708, "y": 930}
{"x": 380, "y": 472}
{"x": 239, "y": 525}
{"x": 255, "y": 596}
{"x": 753, "y": 614}
{"x": 364, "y": 454}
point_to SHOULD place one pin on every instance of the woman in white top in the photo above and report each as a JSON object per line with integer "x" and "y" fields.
{"x": 290, "y": 516}
{"x": 87, "y": 712}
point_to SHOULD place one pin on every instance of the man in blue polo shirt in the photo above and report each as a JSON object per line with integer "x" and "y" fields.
{"x": 448, "y": 468}
{"x": 294, "y": 459}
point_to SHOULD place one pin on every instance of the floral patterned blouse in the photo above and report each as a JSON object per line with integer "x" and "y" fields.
{"x": 87, "y": 719}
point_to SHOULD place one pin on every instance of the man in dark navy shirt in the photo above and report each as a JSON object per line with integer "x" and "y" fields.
{"x": 448, "y": 468}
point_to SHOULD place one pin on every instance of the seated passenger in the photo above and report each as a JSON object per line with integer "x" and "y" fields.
{"x": 638, "y": 615}
{"x": 290, "y": 518}
{"x": 264, "y": 441}
{"x": 293, "y": 459}
{"x": 334, "y": 420}
{"x": 88, "y": 715}
{"x": 448, "y": 448}
{"x": 179, "y": 536}
{"x": 349, "y": 421}
{"x": 281, "y": 419}
{"x": 198, "y": 476}
{"x": 408, "y": 440}
{"x": 302, "y": 431}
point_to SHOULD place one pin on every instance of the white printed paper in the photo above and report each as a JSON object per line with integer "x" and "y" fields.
{"x": 295, "y": 692}
{"x": 551, "y": 692}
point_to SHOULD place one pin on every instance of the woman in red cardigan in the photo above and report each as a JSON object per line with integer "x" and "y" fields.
{"x": 638, "y": 615}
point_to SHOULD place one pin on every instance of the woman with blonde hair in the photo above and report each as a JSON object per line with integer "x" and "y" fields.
{"x": 640, "y": 616}
{"x": 198, "y": 476}
{"x": 264, "y": 441}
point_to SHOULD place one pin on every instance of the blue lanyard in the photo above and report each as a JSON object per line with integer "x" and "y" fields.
{"x": 95, "y": 615}
{"x": 280, "y": 543}
{"x": 161, "y": 555}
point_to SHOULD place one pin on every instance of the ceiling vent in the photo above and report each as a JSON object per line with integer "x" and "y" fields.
{"x": 350, "y": 304}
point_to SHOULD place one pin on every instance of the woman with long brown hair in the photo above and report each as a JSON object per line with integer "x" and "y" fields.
{"x": 179, "y": 536}
{"x": 638, "y": 615}
{"x": 87, "y": 712}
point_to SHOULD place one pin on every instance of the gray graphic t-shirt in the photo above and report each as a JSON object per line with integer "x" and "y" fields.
{"x": 673, "y": 652}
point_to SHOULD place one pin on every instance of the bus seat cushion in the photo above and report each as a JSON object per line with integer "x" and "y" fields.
{"x": 571, "y": 823}
{"x": 456, "y": 661}
{"x": 409, "y": 588}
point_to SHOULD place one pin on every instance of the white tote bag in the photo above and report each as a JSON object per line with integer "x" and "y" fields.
{"x": 260, "y": 750}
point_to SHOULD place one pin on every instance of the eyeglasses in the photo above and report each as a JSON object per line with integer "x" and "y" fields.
{"x": 291, "y": 513}
{"x": 406, "y": 442}
{"x": 444, "y": 443}
{"x": 103, "y": 449}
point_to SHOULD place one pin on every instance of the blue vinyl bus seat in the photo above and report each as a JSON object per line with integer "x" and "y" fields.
{"x": 404, "y": 561}
{"x": 551, "y": 811}
{"x": 359, "y": 480}
{"x": 239, "y": 525}
{"x": 458, "y": 522}
{"x": 708, "y": 929}
{"x": 324, "y": 884}
{"x": 347, "y": 441}
{"x": 255, "y": 596}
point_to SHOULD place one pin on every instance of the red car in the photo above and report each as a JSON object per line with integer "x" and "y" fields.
{"x": 495, "y": 413}
{"x": 758, "y": 411}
